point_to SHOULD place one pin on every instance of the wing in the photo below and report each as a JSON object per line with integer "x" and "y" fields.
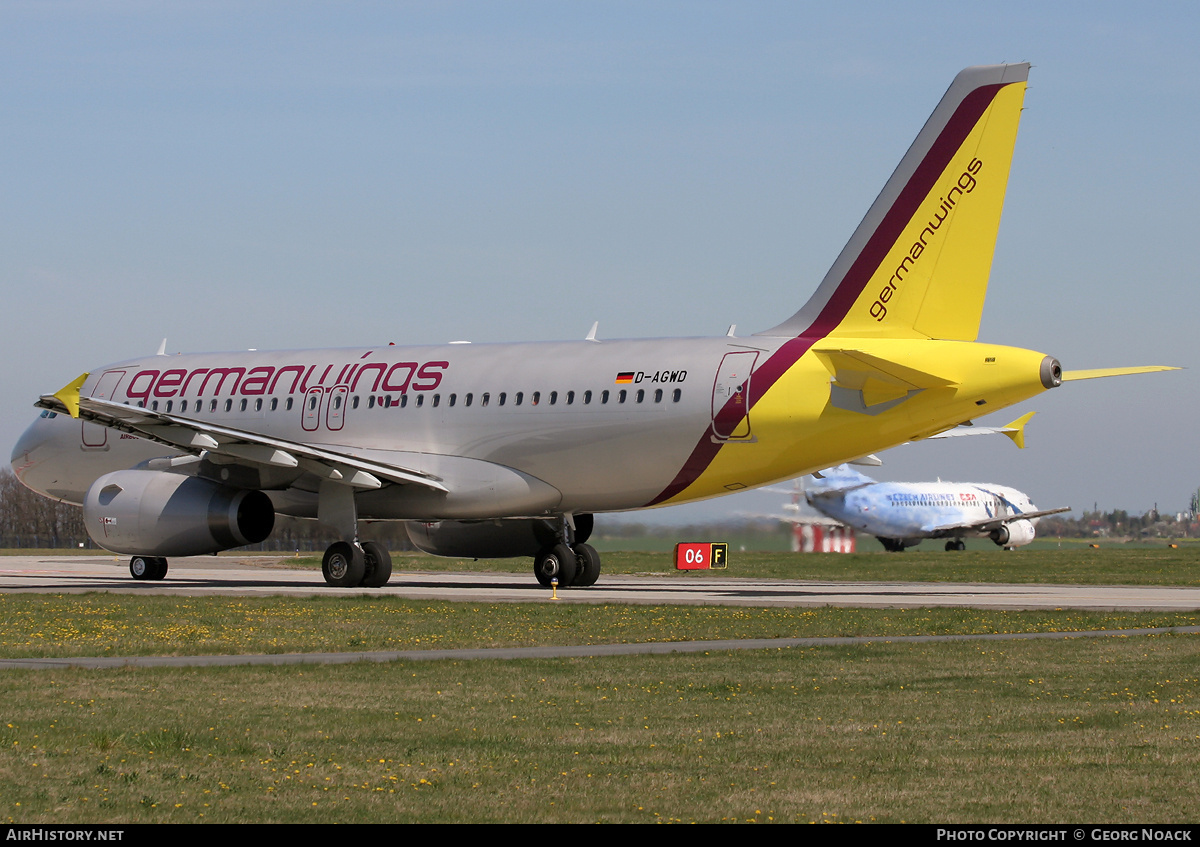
{"x": 987, "y": 524}
{"x": 201, "y": 438}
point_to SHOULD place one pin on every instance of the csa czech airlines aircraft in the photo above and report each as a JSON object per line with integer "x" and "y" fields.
{"x": 510, "y": 449}
{"x": 900, "y": 514}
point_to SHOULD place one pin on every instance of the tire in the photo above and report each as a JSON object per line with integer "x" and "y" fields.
{"x": 141, "y": 567}
{"x": 587, "y": 564}
{"x": 557, "y": 562}
{"x": 377, "y": 565}
{"x": 160, "y": 568}
{"x": 343, "y": 565}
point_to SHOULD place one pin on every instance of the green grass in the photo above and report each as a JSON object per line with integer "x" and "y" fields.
{"x": 37, "y": 625}
{"x": 1087, "y": 731}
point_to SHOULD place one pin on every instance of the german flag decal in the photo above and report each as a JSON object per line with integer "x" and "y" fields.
{"x": 624, "y": 377}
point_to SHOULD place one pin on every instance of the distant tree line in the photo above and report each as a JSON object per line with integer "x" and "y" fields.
{"x": 1119, "y": 524}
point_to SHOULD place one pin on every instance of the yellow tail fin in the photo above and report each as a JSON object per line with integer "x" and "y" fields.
{"x": 918, "y": 264}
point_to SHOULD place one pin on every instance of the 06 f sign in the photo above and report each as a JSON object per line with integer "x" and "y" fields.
{"x": 700, "y": 556}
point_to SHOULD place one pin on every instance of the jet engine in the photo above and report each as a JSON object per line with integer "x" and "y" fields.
{"x": 499, "y": 539}
{"x": 1015, "y": 534}
{"x": 155, "y": 513}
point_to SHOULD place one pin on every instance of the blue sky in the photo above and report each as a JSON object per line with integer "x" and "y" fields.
{"x": 235, "y": 175}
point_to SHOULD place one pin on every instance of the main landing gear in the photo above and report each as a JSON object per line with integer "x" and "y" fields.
{"x": 147, "y": 567}
{"x": 571, "y": 561}
{"x": 956, "y": 544}
{"x": 350, "y": 565}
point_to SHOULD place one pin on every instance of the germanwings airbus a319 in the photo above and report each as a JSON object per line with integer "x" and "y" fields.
{"x": 510, "y": 449}
{"x": 901, "y": 514}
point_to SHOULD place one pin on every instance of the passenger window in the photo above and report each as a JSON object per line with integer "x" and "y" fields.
{"x": 354, "y": 402}
{"x": 437, "y": 398}
{"x": 604, "y": 396}
{"x": 641, "y": 395}
{"x": 371, "y": 402}
{"x": 658, "y": 395}
{"x": 553, "y": 397}
{"x": 154, "y": 405}
{"x": 212, "y": 405}
{"x": 403, "y": 401}
{"x": 451, "y": 400}
{"x": 518, "y": 398}
{"x": 485, "y": 398}
{"x": 229, "y": 405}
{"x": 570, "y": 397}
{"x": 467, "y": 400}
{"x": 537, "y": 395}
{"x": 678, "y": 394}
{"x": 289, "y": 404}
{"x": 621, "y": 395}
{"x": 275, "y": 403}
{"x": 502, "y": 397}
{"x": 587, "y": 397}
{"x": 258, "y": 404}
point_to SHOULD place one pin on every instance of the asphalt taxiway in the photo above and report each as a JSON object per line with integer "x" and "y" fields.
{"x": 252, "y": 576}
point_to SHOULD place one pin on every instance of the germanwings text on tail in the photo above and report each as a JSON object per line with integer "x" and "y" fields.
{"x": 511, "y": 449}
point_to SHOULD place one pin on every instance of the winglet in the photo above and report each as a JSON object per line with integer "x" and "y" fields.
{"x": 68, "y": 395}
{"x": 1016, "y": 429}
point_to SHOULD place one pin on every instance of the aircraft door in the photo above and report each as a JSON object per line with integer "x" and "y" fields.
{"x": 94, "y": 436}
{"x": 731, "y": 397}
{"x": 310, "y": 414}
{"x": 335, "y": 407}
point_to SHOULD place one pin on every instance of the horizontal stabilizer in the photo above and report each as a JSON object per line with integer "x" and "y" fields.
{"x": 879, "y": 379}
{"x": 1014, "y": 430}
{"x": 1096, "y": 373}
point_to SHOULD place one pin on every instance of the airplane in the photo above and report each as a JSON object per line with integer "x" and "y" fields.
{"x": 504, "y": 450}
{"x": 901, "y": 514}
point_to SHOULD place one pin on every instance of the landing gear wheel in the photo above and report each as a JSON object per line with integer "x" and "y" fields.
{"x": 557, "y": 562}
{"x": 141, "y": 567}
{"x": 344, "y": 565}
{"x": 160, "y": 568}
{"x": 377, "y": 563}
{"x": 587, "y": 564}
{"x": 956, "y": 544}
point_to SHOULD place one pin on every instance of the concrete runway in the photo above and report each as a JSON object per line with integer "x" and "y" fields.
{"x": 246, "y": 576}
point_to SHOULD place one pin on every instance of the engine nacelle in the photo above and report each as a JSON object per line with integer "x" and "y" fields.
{"x": 499, "y": 539}
{"x": 155, "y": 513}
{"x": 1015, "y": 534}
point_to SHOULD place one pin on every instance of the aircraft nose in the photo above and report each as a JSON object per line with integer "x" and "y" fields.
{"x": 32, "y": 449}
{"x": 25, "y": 447}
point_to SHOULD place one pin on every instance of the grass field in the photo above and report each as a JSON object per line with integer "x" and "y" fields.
{"x": 1095, "y": 730}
